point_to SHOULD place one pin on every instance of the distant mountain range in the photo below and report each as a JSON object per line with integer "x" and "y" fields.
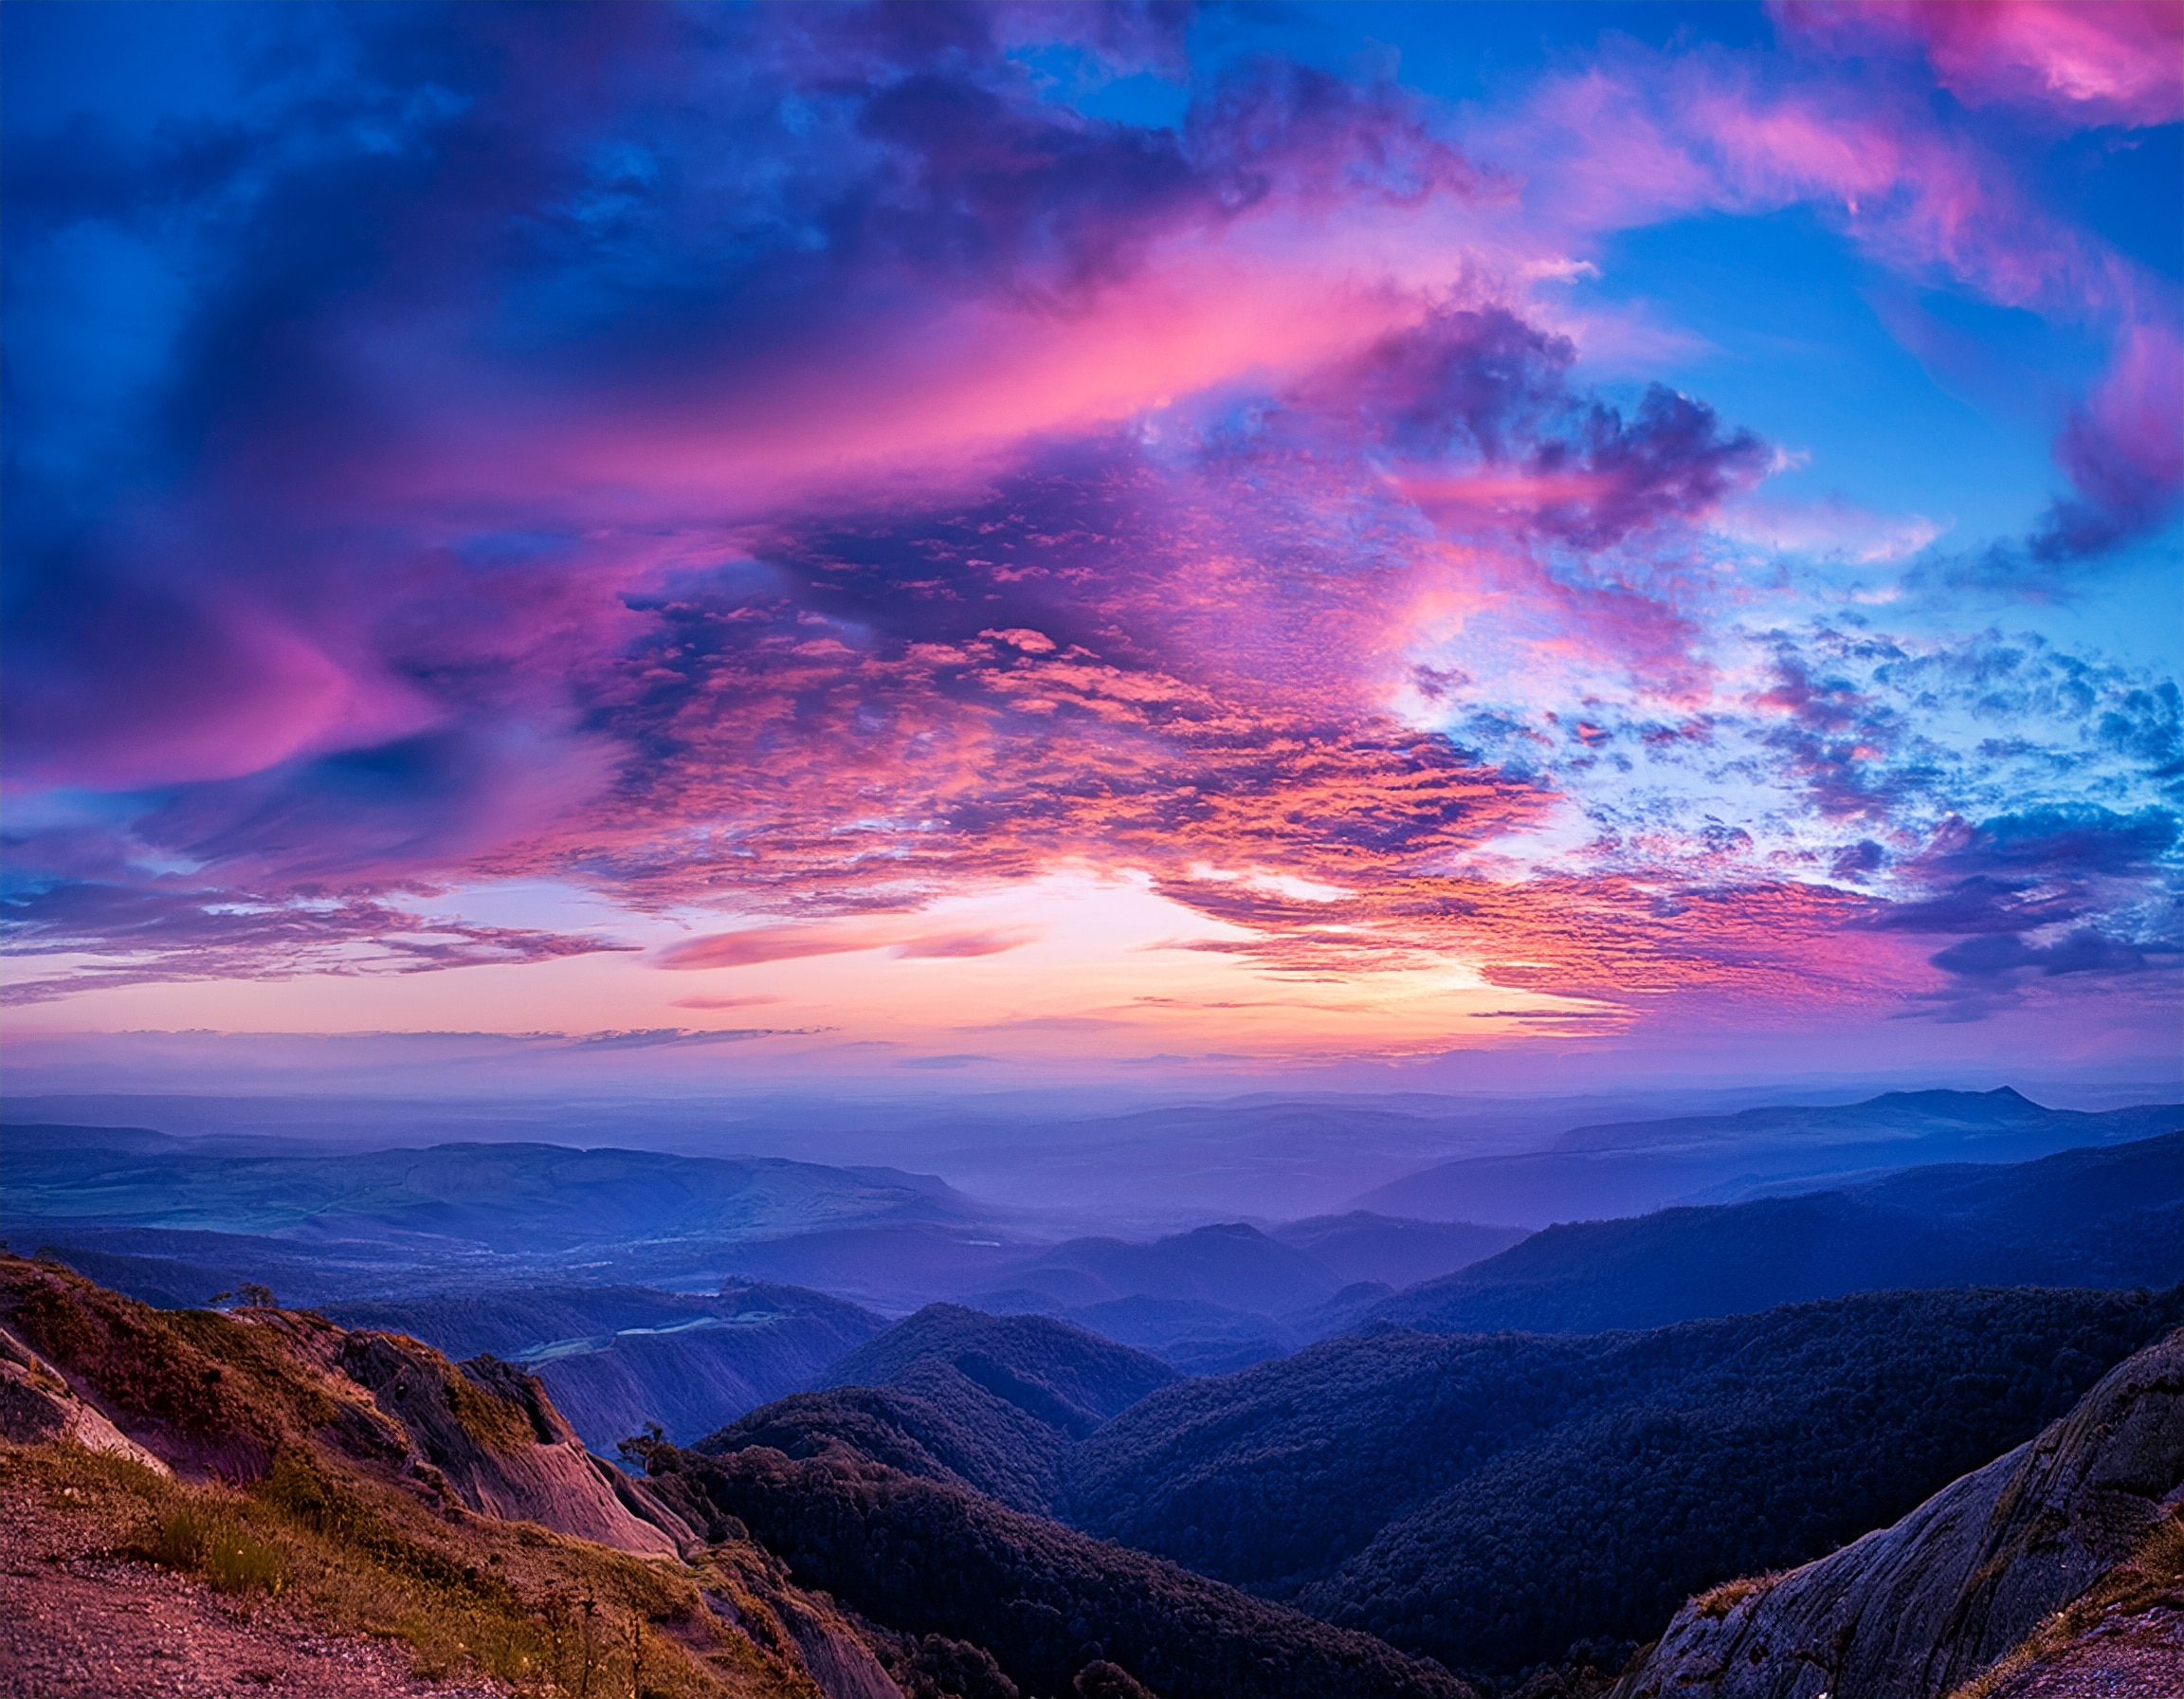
{"x": 1387, "y": 1512}
{"x": 1200, "y": 1296}
{"x": 1628, "y": 1168}
{"x": 1223, "y": 1297}
{"x": 476, "y": 1230}
{"x": 1361, "y": 1245}
{"x": 470, "y": 1213}
{"x": 2107, "y": 1217}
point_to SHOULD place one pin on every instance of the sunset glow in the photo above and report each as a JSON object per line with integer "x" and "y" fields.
{"x": 1052, "y": 539}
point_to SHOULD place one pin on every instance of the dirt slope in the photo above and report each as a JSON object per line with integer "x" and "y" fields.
{"x": 77, "y": 1623}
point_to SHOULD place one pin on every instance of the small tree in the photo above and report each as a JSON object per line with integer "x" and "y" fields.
{"x": 1101, "y": 1679}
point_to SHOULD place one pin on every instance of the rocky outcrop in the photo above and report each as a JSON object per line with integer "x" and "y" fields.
{"x": 840, "y": 1664}
{"x": 38, "y": 1405}
{"x": 486, "y": 1432}
{"x": 222, "y": 1395}
{"x": 370, "y": 1479}
{"x": 1916, "y": 1610}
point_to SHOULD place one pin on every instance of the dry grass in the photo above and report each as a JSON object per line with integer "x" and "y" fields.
{"x": 295, "y": 1510}
{"x": 224, "y": 1392}
{"x": 1719, "y": 1601}
{"x": 493, "y": 1422}
{"x": 2152, "y": 1576}
{"x": 545, "y": 1614}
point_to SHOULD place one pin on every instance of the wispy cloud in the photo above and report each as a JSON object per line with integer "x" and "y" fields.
{"x": 786, "y": 470}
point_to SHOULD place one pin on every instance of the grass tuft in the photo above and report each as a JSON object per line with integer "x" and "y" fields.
{"x": 202, "y": 1537}
{"x": 1717, "y": 1602}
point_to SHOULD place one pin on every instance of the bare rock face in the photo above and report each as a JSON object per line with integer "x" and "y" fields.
{"x": 37, "y": 1404}
{"x": 1914, "y": 1611}
{"x": 488, "y": 1435}
{"x": 841, "y": 1665}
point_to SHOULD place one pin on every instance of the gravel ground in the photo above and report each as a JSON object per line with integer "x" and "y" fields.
{"x": 76, "y": 1624}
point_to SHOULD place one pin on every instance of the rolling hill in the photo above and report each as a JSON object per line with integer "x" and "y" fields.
{"x": 1066, "y": 1377}
{"x": 927, "y": 1556}
{"x": 276, "y": 1455}
{"x": 989, "y": 1404}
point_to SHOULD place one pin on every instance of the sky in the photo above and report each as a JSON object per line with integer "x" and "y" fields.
{"x": 1476, "y": 544}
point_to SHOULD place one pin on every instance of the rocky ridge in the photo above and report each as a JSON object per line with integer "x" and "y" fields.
{"x": 294, "y": 1497}
{"x": 1963, "y": 1595}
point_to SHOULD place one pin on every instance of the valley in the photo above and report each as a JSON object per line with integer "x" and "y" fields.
{"x": 1384, "y": 1453}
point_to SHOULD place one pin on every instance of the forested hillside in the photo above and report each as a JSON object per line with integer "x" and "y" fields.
{"x": 1489, "y": 1500}
{"x": 992, "y": 1403}
{"x": 1059, "y": 1374}
{"x": 927, "y": 1558}
{"x": 2056, "y": 1572}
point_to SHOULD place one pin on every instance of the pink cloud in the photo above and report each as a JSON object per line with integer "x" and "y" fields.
{"x": 958, "y": 946}
{"x": 218, "y": 689}
{"x": 2107, "y": 63}
{"x": 885, "y": 484}
{"x": 173, "y": 929}
{"x": 2085, "y": 62}
{"x": 1833, "y": 529}
{"x": 1643, "y": 137}
{"x": 752, "y": 945}
{"x": 2123, "y": 449}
